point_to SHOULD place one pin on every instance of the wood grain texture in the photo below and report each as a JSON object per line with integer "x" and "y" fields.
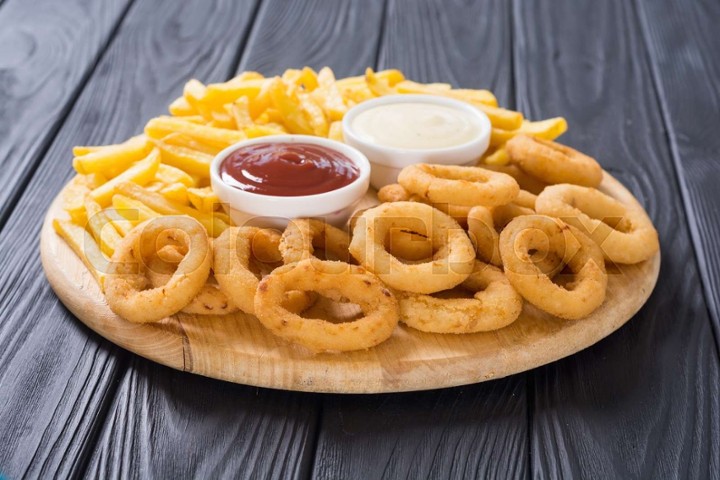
{"x": 683, "y": 45}
{"x": 467, "y": 44}
{"x": 47, "y": 50}
{"x": 55, "y": 375}
{"x": 169, "y": 424}
{"x": 316, "y": 33}
{"x": 644, "y": 402}
{"x": 236, "y": 347}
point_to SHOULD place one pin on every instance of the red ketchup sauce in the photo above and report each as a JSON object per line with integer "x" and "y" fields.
{"x": 287, "y": 169}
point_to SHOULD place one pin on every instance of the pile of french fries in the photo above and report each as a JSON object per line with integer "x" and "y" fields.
{"x": 166, "y": 170}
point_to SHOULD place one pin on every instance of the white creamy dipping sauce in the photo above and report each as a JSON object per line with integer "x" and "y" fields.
{"x": 416, "y": 126}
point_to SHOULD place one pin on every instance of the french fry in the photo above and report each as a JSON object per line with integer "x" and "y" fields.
{"x": 314, "y": 115}
{"x": 84, "y": 246}
{"x": 308, "y": 79}
{"x": 189, "y": 160}
{"x": 261, "y": 102}
{"x": 245, "y": 76}
{"x": 159, "y": 127}
{"x": 336, "y": 132}
{"x": 377, "y": 85}
{"x": 204, "y": 199}
{"x": 499, "y": 137}
{"x": 181, "y": 140}
{"x": 476, "y": 97}
{"x": 121, "y": 224}
{"x": 162, "y": 205}
{"x": 167, "y": 174}
{"x": 288, "y": 104}
{"x": 218, "y": 94}
{"x": 113, "y": 159}
{"x": 254, "y": 131}
{"x": 548, "y": 129}
{"x": 181, "y": 108}
{"x": 502, "y": 118}
{"x": 498, "y": 157}
{"x": 133, "y": 210}
{"x": 73, "y": 200}
{"x": 100, "y": 227}
{"x": 240, "y": 111}
{"x": 327, "y": 95}
{"x": 141, "y": 173}
{"x": 176, "y": 192}
{"x": 194, "y": 92}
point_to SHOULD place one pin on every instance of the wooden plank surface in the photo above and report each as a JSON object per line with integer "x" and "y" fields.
{"x": 258, "y": 433}
{"x": 47, "y": 50}
{"x": 477, "y": 431}
{"x": 683, "y": 45}
{"x": 169, "y": 424}
{"x": 643, "y": 403}
{"x": 56, "y": 377}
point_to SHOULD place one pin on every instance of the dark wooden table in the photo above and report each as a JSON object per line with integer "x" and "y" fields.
{"x": 638, "y": 81}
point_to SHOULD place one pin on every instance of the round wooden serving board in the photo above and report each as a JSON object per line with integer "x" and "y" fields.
{"x": 239, "y": 349}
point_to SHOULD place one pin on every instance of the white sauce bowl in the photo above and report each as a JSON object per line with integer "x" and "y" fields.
{"x": 388, "y": 161}
{"x": 334, "y": 207}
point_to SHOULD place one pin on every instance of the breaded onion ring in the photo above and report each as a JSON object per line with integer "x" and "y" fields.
{"x": 234, "y": 250}
{"x": 452, "y": 261}
{"x": 125, "y": 285}
{"x": 625, "y": 234}
{"x": 553, "y": 162}
{"x": 459, "y": 185}
{"x": 529, "y": 234}
{"x": 210, "y": 301}
{"x": 494, "y": 305}
{"x": 302, "y": 236}
{"x": 397, "y": 193}
{"x": 335, "y": 280}
{"x": 481, "y": 230}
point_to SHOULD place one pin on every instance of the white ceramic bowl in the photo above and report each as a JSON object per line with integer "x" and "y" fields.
{"x": 335, "y": 207}
{"x": 388, "y": 161}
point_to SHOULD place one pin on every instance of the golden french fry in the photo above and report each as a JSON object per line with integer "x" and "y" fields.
{"x": 498, "y": 157}
{"x": 159, "y": 127}
{"x": 133, "y": 210}
{"x": 100, "y": 227}
{"x": 167, "y": 174}
{"x": 498, "y": 136}
{"x": 194, "y": 94}
{"x": 113, "y": 159}
{"x": 176, "y": 192}
{"x": 377, "y": 86}
{"x": 245, "y": 76}
{"x": 191, "y": 161}
{"x": 502, "y": 118}
{"x": 73, "y": 200}
{"x": 240, "y": 111}
{"x": 308, "y": 79}
{"x": 182, "y": 140}
{"x": 549, "y": 129}
{"x": 327, "y": 95}
{"x": 84, "y": 246}
{"x": 121, "y": 224}
{"x": 288, "y": 104}
{"x": 164, "y": 206}
{"x": 315, "y": 115}
{"x": 181, "y": 108}
{"x": 204, "y": 199}
{"x": 254, "y": 131}
{"x": 141, "y": 173}
{"x": 218, "y": 94}
{"x": 476, "y": 97}
{"x": 336, "y": 132}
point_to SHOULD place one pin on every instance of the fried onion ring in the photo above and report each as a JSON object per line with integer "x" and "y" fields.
{"x": 625, "y": 234}
{"x": 335, "y": 280}
{"x": 397, "y": 193}
{"x": 125, "y": 285}
{"x": 526, "y": 235}
{"x": 494, "y": 305}
{"x": 452, "y": 261}
{"x": 525, "y": 180}
{"x": 553, "y": 162}
{"x": 453, "y": 184}
{"x": 234, "y": 250}
{"x": 303, "y": 236}
{"x": 210, "y": 301}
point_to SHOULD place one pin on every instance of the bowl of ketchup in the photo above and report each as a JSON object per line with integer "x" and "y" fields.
{"x": 268, "y": 181}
